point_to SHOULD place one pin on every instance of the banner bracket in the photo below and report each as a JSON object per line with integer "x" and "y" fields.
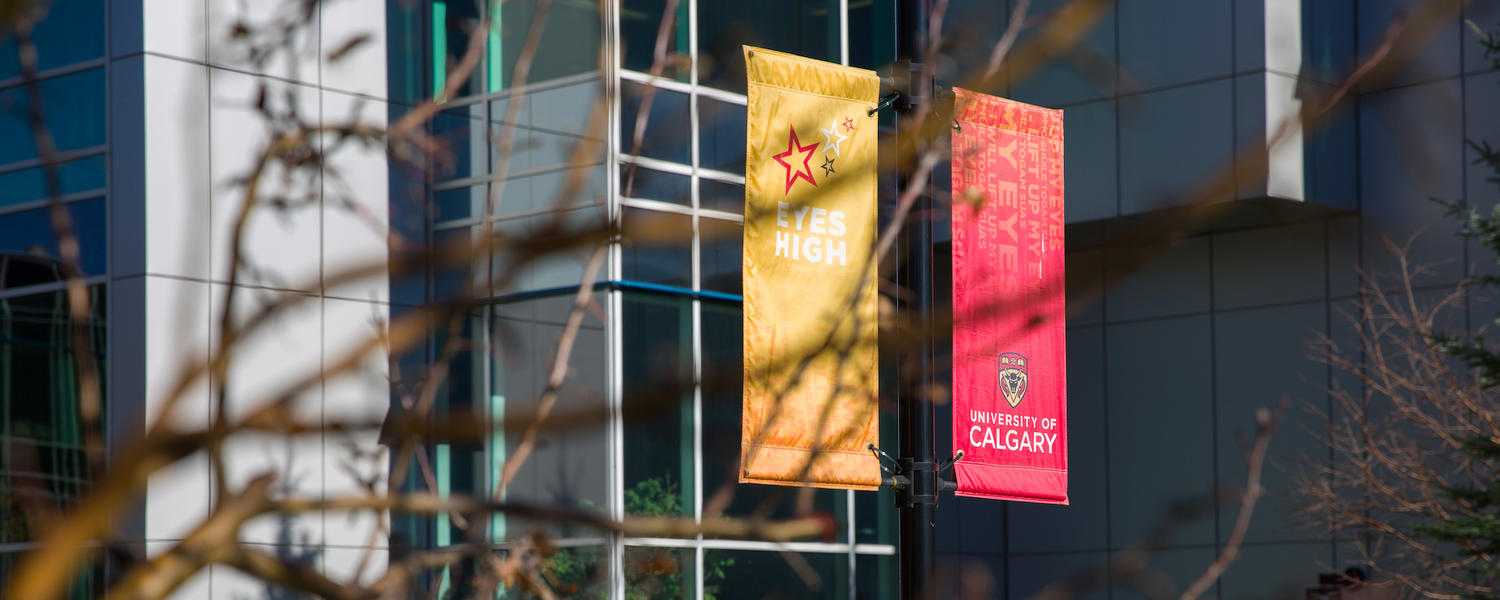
{"x": 885, "y": 102}
{"x": 881, "y": 456}
{"x": 948, "y": 464}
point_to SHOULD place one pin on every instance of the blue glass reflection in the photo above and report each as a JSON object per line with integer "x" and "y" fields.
{"x": 29, "y": 234}
{"x": 82, "y": 175}
{"x": 74, "y": 111}
{"x": 72, "y": 32}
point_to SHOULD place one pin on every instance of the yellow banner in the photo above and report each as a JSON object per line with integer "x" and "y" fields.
{"x": 810, "y": 305}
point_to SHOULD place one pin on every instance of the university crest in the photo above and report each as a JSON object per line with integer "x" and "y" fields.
{"x": 1013, "y": 377}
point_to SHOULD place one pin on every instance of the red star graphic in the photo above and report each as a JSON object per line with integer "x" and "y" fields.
{"x": 793, "y": 146}
{"x": 848, "y": 124}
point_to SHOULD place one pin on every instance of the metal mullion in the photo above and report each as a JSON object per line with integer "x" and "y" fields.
{"x": 55, "y": 72}
{"x": 844, "y": 32}
{"x": 760, "y": 546}
{"x": 658, "y": 164}
{"x": 656, "y": 205}
{"x": 695, "y": 124}
{"x": 613, "y": 332}
{"x": 849, "y": 506}
{"x": 664, "y": 83}
{"x": 42, "y": 288}
{"x": 62, "y": 157}
{"x": 723, "y": 176}
{"x": 721, "y": 215}
{"x": 652, "y": 542}
{"x": 65, "y": 199}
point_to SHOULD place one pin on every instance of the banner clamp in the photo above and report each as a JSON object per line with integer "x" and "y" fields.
{"x": 885, "y": 102}
{"x": 895, "y": 468}
{"x": 948, "y": 464}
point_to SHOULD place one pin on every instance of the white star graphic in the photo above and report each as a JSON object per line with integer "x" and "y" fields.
{"x": 832, "y": 138}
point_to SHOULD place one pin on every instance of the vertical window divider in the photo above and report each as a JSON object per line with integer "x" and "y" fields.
{"x": 613, "y": 333}
{"x": 694, "y": 126}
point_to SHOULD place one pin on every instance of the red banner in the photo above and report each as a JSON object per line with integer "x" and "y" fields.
{"x": 1010, "y": 372}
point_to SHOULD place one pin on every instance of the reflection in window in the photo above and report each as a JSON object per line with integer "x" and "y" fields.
{"x": 658, "y": 247}
{"x": 74, "y": 111}
{"x": 720, "y": 254}
{"x": 453, "y": 23}
{"x": 718, "y": 195}
{"x": 801, "y": 27}
{"x": 460, "y": 130}
{"x": 72, "y": 32}
{"x": 29, "y": 244}
{"x": 569, "y": 465}
{"x": 665, "y": 133}
{"x": 658, "y": 405}
{"x": 560, "y": 267}
{"x": 876, "y": 577}
{"x": 28, "y": 185}
{"x": 640, "y": 25}
{"x": 569, "y": 43}
{"x": 42, "y": 455}
{"x": 664, "y": 573}
{"x": 640, "y": 182}
{"x": 754, "y": 574}
{"x": 721, "y": 135}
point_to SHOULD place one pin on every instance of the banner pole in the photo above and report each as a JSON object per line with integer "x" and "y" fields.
{"x": 917, "y": 503}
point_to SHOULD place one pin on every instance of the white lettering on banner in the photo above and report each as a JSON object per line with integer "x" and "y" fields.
{"x": 1012, "y": 439}
{"x": 811, "y": 248}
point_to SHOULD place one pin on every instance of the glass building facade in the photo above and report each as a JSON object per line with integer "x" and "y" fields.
{"x": 44, "y": 466}
{"x": 660, "y": 356}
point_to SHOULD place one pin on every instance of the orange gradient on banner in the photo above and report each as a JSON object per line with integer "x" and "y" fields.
{"x": 810, "y": 315}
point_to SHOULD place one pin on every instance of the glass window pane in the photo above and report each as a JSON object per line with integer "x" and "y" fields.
{"x": 800, "y": 27}
{"x": 872, "y": 33}
{"x": 74, "y": 112}
{"x": 26, "y": 185}
{"x": 458, "y": 203}
{"x": 453, "y": 22}
{"x": 576, "y": 571}
{"x": 569, "y": 466}
{"x": 406, "y": 55}
{"x": 581, "y": 186}
{"x": 560, "y": 267}
{"x": 657, "y": 247}
{"x": 640, "y": 26}
{"x": 875, "y": 577}
{"x": 721, "y": 244}
{"x": 664, "y": 132}
{"x": 659, "y": 573}
{"x": 42, "y": 453}
{"x": 717, "y": 195}
{"x": 460, "y": 131}
{"x": 723, "y": 372}
{"x": 569, "y": 44}
{"x": 27, "y": 238}
{"x": 721, "y": 135}
{"x": 72, "y": 32}
{"x": 452, "y": 281}
{"x": 658, "y": 404}
{"x": 640, "y": 182}
{"x": 751, "y": 574}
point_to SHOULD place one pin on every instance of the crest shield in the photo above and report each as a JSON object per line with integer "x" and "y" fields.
{"x": 1013, "y": 377}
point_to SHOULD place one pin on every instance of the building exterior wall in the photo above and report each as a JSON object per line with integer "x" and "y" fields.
{"x": 1165, "y": 367}
{"x": 183, "y": 129}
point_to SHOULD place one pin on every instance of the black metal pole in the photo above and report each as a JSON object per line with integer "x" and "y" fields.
{"x": 917, "y": 504}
